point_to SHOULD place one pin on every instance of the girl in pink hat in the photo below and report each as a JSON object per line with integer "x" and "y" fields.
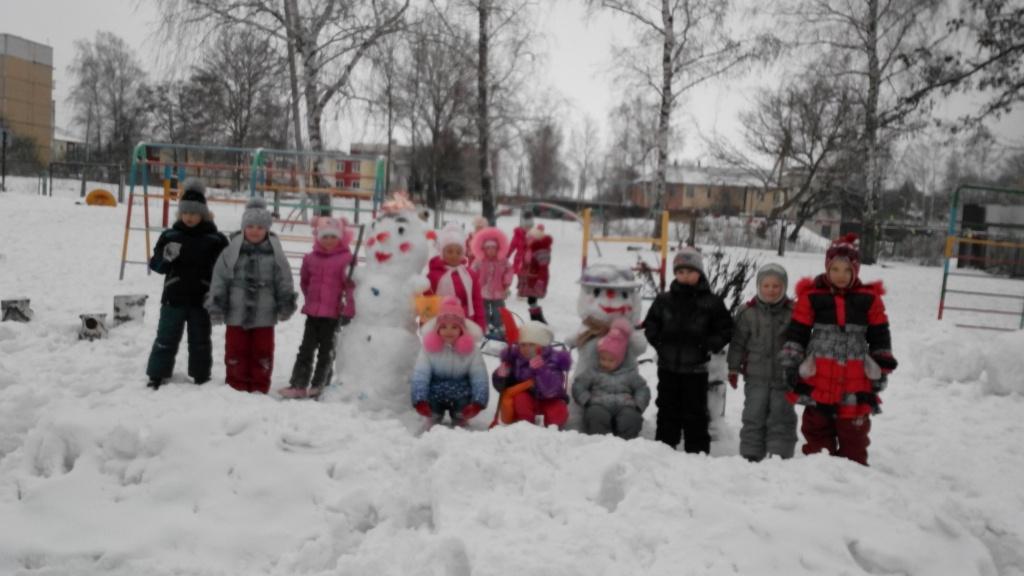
{"x": 613, "y": 393}
{"x": 490, "y": 248}
{"x": 450, "y": 376}
{"x": 328, "y": 293}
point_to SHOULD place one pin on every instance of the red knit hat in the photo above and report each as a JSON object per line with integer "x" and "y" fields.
{"x": 845, "y": 247}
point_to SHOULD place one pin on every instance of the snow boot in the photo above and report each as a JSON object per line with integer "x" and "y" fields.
{"x": 537, "y": 313}
{"x": 294, "y": 393}
{"x": 155, "y": 383}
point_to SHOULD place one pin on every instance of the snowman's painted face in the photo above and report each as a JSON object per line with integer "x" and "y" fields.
{"x": 609, "y": 303}
{"x": 397, "y": 244}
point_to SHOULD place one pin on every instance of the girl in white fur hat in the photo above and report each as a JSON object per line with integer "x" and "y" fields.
{"x": 449, "y": 274}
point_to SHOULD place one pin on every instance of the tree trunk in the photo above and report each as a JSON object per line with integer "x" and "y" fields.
{"x": 314, "y": 114}
{"x": 483, "y": 115}
{"x": 870, "y": 233}
{"x": 665, "y": 113}
{"x": 291, "y": 11}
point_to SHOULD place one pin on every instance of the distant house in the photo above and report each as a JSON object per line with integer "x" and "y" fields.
{"x": 713, "y": 190}
{"x": 67, "y": 147}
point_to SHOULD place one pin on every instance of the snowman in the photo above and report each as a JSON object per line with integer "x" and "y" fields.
{"x": 376, "y": 352}
{"x": 607, "y": 292}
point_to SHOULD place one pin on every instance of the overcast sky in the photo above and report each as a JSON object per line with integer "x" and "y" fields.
{"x": 576, "y": 64}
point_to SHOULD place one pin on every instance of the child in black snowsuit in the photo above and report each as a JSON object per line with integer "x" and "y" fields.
{"x": 185, "y": 254}
{"x": 685, "y": 325}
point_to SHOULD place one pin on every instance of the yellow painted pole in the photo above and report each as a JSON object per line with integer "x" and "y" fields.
{"x": 586, "y": 235}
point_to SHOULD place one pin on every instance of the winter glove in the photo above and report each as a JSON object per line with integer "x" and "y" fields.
{"x": 885, "y": 360}
{"x": 424, "y": 409}
{"x": 537, "y": 362}
{"x": 880, "y": 384}
{"x": 284, "y": 315}
{"x": 216, "y": 318}
{"x": 503, "y": 370}
{"x": 470, "y": 411}
{"x": 344, "y": 321}
{"x": 734, "y": 379}
{"x": 171, "y": 251}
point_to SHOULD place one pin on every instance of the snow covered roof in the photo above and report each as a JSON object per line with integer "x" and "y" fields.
{"x": 691, "y": 175}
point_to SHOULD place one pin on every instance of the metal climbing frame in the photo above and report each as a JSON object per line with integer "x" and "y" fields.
{"x": 994, "y": 248}
{"x": 661, "y": 243}
{"x": 300, "y": 181}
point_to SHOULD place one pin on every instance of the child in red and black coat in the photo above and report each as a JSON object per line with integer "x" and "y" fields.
{"x": 837, "y": 354}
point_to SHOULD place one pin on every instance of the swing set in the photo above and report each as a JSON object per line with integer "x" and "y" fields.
{"x": 297, "y": 180}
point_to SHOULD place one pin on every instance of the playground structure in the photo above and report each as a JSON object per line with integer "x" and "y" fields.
{"x": 299, "y": 184}
{"x": 642, "y": 268}
{"x": 987, "y": 238}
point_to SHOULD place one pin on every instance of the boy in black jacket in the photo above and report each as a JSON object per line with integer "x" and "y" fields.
{"x": 685, "y": 325}
{"x": 185, "y": 253}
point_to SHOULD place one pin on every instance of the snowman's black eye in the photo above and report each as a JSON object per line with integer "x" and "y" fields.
{"x": 624, "y": 294}
{"x": 401, "y": 229}
{"x": 597, "y": 292}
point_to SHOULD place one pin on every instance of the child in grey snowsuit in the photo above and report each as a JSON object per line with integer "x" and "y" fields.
{"x": 252, "y": 290}
{"x": 613, "y": 393}
{"x": 769, "y": 420}
{"x": 185, "y": 254}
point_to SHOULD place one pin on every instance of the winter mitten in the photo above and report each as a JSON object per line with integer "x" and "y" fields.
{"x": 503, "y": 370}
{"x": 734, "y": 379}
{"x": 791, "y": 355}
{"x": 284, "y": 315}
{"x": 880, "y": 384}
{"x": 216, "y": 318}
{"x": 885, "y": 360}
{"x": 171, "y": 251}
{"x": 470, "y": 411}
{"x": 537, "y": 362}
{"x": 424, "y": 409}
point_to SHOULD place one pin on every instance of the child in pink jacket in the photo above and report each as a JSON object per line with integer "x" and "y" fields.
{"x": 450, "y": 276}
{"x": 490, "y": 250}
{"x": 328, "y": 293}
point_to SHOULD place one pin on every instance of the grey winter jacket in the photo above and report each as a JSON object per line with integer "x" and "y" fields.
{"x": 758, "y": 336}
{"x": 252, "y": 284}
{"x": 623, "y": 387}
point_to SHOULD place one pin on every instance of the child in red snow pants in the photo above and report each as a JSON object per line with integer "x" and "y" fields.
{"x": 846, "y": 437}
{"x": 555, "y": 410}
{"x": 249, "y": 357}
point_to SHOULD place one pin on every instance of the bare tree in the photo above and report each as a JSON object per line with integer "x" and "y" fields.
{"x": 875, "y": 42}
{"x": 797, "y": 140}
{"x": 632, "y": 150}
{"x": 585, "y": 145}
{"x": 991, "y": 66}
{"x": 240, "y": 92}
{"x": 108, "y": 94}
{"x": 548, "y": 172}
{"x": 329, "y": 37}
{"x": 504, "y": 39}
{"x": 680, "y": 44}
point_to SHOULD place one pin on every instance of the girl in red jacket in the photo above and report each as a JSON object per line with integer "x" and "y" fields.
{"x": 837, "y": 354}
{"x": 450, "y": 276}
{"x": 534, "y": 274}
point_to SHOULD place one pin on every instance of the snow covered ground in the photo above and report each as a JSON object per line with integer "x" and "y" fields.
{"x": 100, "y": 475}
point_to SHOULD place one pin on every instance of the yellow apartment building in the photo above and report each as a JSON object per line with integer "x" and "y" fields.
{"x": 26, "y": 91}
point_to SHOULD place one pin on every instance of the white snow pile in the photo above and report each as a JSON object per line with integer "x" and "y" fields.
{"x": 100, "y": 475}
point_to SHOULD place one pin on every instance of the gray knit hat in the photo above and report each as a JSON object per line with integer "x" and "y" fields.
{"x": 776, "y": 270}
{"x": 256, "y": 214}
{"x": 773, "y": 270}
{"x": 193, "y": 198}
{"x": 688, "y": 257}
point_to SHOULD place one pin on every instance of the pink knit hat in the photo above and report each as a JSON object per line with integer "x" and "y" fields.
{"x": 616, "y": 341}
{"x": 327, "y": 226}
{"x": 450, "y": 311}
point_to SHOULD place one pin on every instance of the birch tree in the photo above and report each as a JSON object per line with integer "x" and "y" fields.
{"x": 680, "y": 44}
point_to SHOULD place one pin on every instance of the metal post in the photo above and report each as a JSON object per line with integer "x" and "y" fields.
{"x": 3, "y": 161}
{"x": 586, "y": 236}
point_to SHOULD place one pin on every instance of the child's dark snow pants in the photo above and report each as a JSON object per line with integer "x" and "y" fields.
{"x": 172, "y": 325}
{"x": 683, "y": 410}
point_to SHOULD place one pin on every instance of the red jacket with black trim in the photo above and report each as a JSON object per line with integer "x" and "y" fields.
{"x": 837, "y": 330}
